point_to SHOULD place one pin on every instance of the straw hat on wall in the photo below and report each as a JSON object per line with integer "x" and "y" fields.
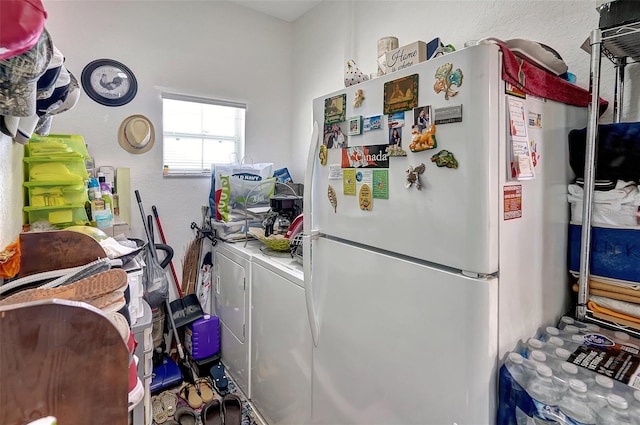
{"x": 136, "y": 134}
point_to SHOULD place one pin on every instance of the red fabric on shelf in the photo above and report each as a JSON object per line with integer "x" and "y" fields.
{"x": 537, "y": 82}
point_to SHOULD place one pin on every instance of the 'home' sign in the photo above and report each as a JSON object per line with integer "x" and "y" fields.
{"x": 406, "y": 56}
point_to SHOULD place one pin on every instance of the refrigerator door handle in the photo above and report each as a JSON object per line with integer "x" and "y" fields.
{"x": 308, "y": 288}
{"x": 306, "y": 236}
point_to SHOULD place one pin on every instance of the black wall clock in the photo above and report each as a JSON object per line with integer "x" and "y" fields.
{"x": 109, "y": 82}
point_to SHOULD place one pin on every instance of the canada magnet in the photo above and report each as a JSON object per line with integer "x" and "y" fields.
{"x": 365, "y": 198}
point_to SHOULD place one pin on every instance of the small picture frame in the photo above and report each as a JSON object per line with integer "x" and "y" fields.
{"x": 334, "y": 108}
{"x": 354, "y": 125}
{"x": 401, "y": 94}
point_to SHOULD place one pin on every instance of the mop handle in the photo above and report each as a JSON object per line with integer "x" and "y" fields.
{"x": 144, "y": 224}
{"x": 164, "y": 241}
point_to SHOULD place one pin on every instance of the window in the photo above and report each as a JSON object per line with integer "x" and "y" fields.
{"x": 198, "y": 132}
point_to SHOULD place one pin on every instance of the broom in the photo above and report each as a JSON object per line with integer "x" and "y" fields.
{"x": 190, "y": 266}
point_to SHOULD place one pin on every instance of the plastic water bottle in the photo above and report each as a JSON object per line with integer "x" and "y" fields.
{"x": 564, "y": 374}
{"x": 572, "y": 338}
{"x": 575, "y": 404}
{"x": 616, "y": 412}
{"x": 601, "y": 388}
{"x": 515, "y": 364}
{"x": 544, "y": 394}
{"x": 538, "y": 356}
{"x": 534, "y": 344}
{"x": 571, "y": 329}
{"x": 554, "y": 340}
{"x": 562, "y": 354}
{"x": 582, "y": 326}
{"x": 634, "y": 406}
{"x": 566, "y": 320}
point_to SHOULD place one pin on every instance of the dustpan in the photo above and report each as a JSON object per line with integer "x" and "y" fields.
{"x": 186, "y": 310}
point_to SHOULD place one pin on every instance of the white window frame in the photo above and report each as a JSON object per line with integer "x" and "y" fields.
{"x": 205, "y": 167}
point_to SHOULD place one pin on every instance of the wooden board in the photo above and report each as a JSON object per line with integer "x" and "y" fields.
{"x": 59, "y": 249}
{"x": 64, "y": 359}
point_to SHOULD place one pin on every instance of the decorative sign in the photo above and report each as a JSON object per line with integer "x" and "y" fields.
{"x": 365, "y": 198}
{"x": 512, "y": 199}
{"x": 381, "y": 184}
{"x": 374, "y": 156}
{"x": 349, "y": 181}
{"x": 514, "y": 91}
{"x": 406, "y": 56}
{"x": 448, "y": 115}
{"x": 334, "y": 109}
{"x": 401, "y": 94}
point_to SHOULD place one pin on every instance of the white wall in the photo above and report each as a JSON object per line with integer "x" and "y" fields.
{"x": 335, "y": 31}
{"x": 208, "y": 49}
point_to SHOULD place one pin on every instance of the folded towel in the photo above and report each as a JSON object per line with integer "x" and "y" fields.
{"x": 612, "y": 295}
{"x": 535, "y": 81}
{"x": 597, "y": 308}
{"x": 623, "y": 193}
{"x": 615, "y": 286}
{"x": 623, "y": 307}
{"x": 53, "y": 171}
{"x": 618, "y": 320}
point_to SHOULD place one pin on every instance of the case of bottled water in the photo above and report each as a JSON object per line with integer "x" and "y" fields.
{"x": 572, "y": 374}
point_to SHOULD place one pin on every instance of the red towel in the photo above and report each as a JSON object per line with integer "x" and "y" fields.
{"x": 536, "y": 81}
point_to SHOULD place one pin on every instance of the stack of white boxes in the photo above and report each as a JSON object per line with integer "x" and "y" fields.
{"x": 141, "y": 325}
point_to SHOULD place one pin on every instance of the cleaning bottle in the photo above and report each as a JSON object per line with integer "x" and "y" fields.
{"x": 202, "y": 337}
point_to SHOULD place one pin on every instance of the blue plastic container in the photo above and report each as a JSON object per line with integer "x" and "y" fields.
{"x": 202, "y": 337}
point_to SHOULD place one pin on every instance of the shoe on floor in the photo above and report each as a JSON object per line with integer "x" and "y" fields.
{"x": 185, "y": 416}
{"x": 211, "y": 413}
{"x": 136, "y": 392}
{"x": 157, "y": 409}
{"x": 170, "y": 402}
{"x": 232, "y": 409}
{"x": 136, "y": 389}
{"x": 82, "y": 290}
{"x": 190, "y": 394}
{"x": 217, "y": 371}
{"x": 205, "y": 389}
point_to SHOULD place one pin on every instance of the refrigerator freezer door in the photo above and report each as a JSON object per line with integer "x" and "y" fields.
{"x": 453, "y": 220}
{"x": 400, "y": 342}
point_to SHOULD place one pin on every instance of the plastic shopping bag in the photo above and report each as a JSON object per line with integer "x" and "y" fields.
{"x": 234, "y": 185}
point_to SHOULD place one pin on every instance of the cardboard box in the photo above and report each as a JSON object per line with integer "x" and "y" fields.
{"x": 406, "y": 56}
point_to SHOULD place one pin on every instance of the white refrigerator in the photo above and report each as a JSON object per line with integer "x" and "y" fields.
{"x": 412, "y": 303}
